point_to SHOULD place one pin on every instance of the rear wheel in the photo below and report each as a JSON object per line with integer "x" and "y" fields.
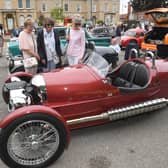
{"x": 32, "y": 141}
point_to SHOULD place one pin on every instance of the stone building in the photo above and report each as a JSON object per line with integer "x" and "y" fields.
{"x": 14, "y": 12}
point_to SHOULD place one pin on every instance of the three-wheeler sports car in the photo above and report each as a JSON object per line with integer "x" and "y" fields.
{"x": 45, "y": 107}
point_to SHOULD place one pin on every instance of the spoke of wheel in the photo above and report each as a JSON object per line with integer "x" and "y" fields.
{"x": 48, "y": 138}
{"x": 45, "y": 134}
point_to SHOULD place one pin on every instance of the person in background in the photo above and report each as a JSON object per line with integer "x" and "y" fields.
{"x": 48, "y": 44}
{"x": 118, "y": 32}
{"x": 16, "y": 32}
{"x": 115, "y": 45}
{"x": 28, "y": 45}
{"x": 1, "y": 30}
{"x": 76, "y": 42}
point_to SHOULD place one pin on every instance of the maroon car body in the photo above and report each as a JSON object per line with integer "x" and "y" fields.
{"x": 136, "y": 35}
{"x": 74, "y": 97}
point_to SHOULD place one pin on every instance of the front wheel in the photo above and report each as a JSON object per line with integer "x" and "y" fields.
{"x": 32, "y": 141}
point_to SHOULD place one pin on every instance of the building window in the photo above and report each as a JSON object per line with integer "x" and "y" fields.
{"x": 20, "y": 4}
{"x": 27, "y": 3}
{"x": 43, "y": 7}
{"x": 78, "y": 8}
{"x": 106, "y": 7}
{"x": 21, "y": 20}
{"x": 8, "y": 4}
{"x": 29, "y": 16}
{"x": 94, "y": 8}
{"x": 66, "y": 7}
{"x": 113, "y": 8}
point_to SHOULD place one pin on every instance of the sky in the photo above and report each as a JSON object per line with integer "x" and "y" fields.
{"x": 123, "y": 6}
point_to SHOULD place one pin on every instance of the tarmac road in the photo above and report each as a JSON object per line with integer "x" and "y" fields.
{"x": 138, "y": 142}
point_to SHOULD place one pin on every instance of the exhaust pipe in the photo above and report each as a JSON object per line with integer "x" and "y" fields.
{"x": 125, "y": 112}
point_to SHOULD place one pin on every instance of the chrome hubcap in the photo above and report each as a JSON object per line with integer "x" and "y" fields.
{"x": 33, "y": 142}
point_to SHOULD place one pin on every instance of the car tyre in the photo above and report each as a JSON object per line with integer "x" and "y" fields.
{"x": 40, "y": 140}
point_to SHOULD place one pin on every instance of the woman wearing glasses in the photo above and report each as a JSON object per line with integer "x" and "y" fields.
{"x": 76, "y": 42}
{"x": 48, "y": 45}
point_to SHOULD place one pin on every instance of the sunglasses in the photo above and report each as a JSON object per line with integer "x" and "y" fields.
{"x": 77, "y": 24}
{"x": 48, "y": 25}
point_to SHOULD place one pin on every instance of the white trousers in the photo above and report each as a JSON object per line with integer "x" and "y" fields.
{"x": 73, "y": 60}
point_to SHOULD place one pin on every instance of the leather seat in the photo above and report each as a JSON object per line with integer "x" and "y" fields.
{"x": 132, "y": 76}
{"x": 141, "y": 76}
{"x": 124, "y": 76}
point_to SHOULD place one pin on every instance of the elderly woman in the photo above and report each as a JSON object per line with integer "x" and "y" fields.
{"x": 48, "y": 45}
{"x": 76, "y": 42}
{"x": 28, "y": 46}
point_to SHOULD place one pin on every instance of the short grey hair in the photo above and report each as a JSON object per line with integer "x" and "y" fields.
{"x": 77, "y": 19}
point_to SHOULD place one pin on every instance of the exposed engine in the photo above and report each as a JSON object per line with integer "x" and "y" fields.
{"x": 19, "y": 93}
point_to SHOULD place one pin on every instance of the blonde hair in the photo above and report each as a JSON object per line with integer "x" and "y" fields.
{"x": 28, "y": 22}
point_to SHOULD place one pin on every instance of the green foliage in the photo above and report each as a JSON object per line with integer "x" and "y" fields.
{"x": 143, "y": 5}
{"x": 57, "y": 14}
{"x": 41, "y": 19}
{"x": 100, "y": 22}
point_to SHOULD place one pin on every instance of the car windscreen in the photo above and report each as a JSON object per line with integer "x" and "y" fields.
{"x": 130, "y": 33}
{"x": 98, "y": 63}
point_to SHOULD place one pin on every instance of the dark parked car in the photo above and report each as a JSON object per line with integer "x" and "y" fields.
{"x": 103, "y": 32}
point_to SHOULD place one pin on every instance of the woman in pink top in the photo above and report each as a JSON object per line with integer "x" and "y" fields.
{"x": 76, "y": 42}
{"x": 28, "y": 45}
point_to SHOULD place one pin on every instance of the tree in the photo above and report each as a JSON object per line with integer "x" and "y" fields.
{"x": 141, "y": 5}
{"x": 41, "y": 19}
{"x": 57, "y": 14}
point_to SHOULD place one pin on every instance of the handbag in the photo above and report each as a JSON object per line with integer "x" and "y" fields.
{"x": 30, "y": 62}
{"x": 64, "y": 58}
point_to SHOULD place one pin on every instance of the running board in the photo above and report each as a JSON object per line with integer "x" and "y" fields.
{"x": 125, "y": 112}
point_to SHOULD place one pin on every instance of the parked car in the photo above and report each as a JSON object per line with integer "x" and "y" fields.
{"x": 132, "y": 35}
{"x": 103, "y": 32}
{"x": 157, "y": 36}
{"x": 98, "y": 41}
{"x": 45, "y": 107}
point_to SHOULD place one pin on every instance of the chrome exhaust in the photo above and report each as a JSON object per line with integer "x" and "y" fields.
{"x": 124, "y": 112}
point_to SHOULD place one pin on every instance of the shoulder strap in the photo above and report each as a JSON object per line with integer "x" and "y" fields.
{"x": 33, "y": 43}
{"x": 68, "y": 31}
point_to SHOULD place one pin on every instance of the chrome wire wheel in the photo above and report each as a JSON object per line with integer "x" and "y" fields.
{"x": 33, "y": 142}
